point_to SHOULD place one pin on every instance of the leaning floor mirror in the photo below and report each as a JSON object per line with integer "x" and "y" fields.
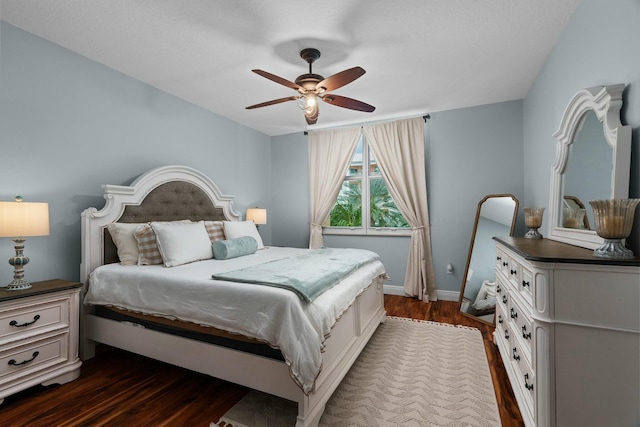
{"x": 495, "y": 216}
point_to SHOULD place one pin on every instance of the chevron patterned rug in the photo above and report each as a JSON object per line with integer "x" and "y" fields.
{"x": 411, "y": 373}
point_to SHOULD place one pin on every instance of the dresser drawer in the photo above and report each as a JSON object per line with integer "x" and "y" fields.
{"x": 501, "y": 317}
{"x": 502, "y": 294}
{"x": 525, "y": 282}
{"x": 513, "y": 273}
{"x": 525, "y": 379}
{"x": 32, "y": 356}
{"x": 502, "y": 326}
{"x": 502, "y": 260}
{"x": 521, "y": 322}
{"x": 19, "y": 320}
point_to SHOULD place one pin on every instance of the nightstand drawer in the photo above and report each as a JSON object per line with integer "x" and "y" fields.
{"x": 22, "y": 319}
{"x": 33, "y": 356}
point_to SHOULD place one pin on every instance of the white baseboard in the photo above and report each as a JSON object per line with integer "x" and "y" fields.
{"x": 442, "y": 295}
{"x": 448, "y": 295}
{"x": 393, "y": 290}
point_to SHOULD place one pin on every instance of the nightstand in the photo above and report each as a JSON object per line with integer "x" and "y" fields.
{"x": 39, "y": 335}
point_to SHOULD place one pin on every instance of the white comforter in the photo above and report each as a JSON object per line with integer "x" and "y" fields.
{"x": 276, "y": 316}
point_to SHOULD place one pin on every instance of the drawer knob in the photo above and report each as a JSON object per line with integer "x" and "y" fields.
{"x": 498, "y": 289}
{"x": 525, "y": 284}
{"x": 504, "y": 263}
{"x": 526, "y": 335}
{"x": 513, "y": 272}
{"x": 506, "y": 335}
{"x": 22, "y": 325}
{"x": 515, "y": 354}
{"x": 500, "y": 319}
{"x": 13, "y": 362}
{"x": 498, "y": 258}
{"x": 526, "y": 382}
{"x": 504, "y": 299}
{"x": 514, "y": 315}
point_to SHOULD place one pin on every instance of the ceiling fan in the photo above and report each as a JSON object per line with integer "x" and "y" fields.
{"x": 312, "y": 87}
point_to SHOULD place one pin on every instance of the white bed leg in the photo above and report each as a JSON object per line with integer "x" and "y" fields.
{"x": 311, "y": 420}
{"x": 87, "y": 349}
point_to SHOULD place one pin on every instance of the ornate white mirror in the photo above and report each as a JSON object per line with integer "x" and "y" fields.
{"x": 495, "y": 216}
{"x": 593, "y": 161}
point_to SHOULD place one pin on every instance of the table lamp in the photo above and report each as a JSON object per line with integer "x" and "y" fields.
{"x": 19, "y": 220}
{"x": 258, "y": 215}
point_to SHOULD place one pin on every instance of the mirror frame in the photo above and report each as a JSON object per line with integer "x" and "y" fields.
{"x": 472, "y": 243}
{"x": 606, "y": 102}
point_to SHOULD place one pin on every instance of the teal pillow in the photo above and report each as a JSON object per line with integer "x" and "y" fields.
{"x": 233, "y": 248}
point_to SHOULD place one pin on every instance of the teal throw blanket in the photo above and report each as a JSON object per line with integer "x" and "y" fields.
{"x": 307, "y": 275}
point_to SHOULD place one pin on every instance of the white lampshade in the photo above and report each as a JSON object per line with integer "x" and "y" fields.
{"x": 259, "y": 216}
{"x": 22, "y": 219}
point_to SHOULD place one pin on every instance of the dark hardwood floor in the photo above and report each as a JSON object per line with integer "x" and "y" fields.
{"x": 117, "y": 388}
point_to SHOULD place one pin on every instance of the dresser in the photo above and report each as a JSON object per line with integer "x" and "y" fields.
{"x": 568, "y": 332}
{"x": 39, "y": 335}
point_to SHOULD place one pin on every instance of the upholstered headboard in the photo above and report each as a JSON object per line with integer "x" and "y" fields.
{"x": 170, "y": 201}
{"x": 167, "y": 193}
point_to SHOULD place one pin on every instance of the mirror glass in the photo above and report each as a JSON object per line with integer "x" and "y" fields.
{"x": 495, "y": 216}
{"x": 587, "y": 175}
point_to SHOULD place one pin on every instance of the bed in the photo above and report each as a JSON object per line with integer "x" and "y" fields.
{"x": 295, "y": 348}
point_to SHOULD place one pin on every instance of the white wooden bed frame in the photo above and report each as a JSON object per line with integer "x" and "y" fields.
{"x": 349, "y": 336}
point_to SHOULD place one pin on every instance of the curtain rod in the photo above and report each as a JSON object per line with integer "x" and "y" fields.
{"x": 425, "y": 118}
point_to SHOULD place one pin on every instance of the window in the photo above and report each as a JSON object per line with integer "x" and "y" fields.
{"x": 364, "y": 205}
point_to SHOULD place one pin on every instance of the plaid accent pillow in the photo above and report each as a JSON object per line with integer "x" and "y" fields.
{"x": 149, "y": 254}
{"x": 215, "y": 229}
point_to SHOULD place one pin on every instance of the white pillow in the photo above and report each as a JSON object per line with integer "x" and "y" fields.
{"x": 182, "y": 243}
{"x": 235, "y": 229}
{"x": 125, "y": 241}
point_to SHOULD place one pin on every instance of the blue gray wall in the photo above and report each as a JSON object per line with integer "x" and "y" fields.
{"x": 69, "y": 125}
{"x": 598, "y": 47}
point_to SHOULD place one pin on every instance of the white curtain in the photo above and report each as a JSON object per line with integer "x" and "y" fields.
{"x": 398, "y": 148}
{"x": 330, "y": 154}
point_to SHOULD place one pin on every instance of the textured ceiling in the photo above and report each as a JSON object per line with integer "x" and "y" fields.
{"x": 420, "y": 55}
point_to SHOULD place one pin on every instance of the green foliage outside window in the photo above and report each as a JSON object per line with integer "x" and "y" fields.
{"x": 347, "y": 211}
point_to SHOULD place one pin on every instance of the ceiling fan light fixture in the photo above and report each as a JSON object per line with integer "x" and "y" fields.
{"x": 307, "y": 101}
{"x": 312, "y": 87}
{"x": 311, "y": 114}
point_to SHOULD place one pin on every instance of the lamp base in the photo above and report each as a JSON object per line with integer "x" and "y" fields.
{"x": 613, "y": 249}
{"x": 533, "y": 234}
{"x": 18, "y": 261}
{"x": 18, "y": 285}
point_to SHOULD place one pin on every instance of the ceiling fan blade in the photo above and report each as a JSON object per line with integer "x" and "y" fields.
{"x": 278, "y": 79}
{"x": 275, "y": 101}
{"x": 340, "y": 79}
{"x": 344, "y": 102}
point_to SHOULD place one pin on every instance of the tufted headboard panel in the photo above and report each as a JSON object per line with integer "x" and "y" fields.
{"x": 171, "y": 201}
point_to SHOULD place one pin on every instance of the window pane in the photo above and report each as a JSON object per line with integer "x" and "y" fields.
{"x": 373, "y": 165}
{"x": 355, "y": 168}
{"x": 347, "y": 211}
{"x": 384, "y": 212}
